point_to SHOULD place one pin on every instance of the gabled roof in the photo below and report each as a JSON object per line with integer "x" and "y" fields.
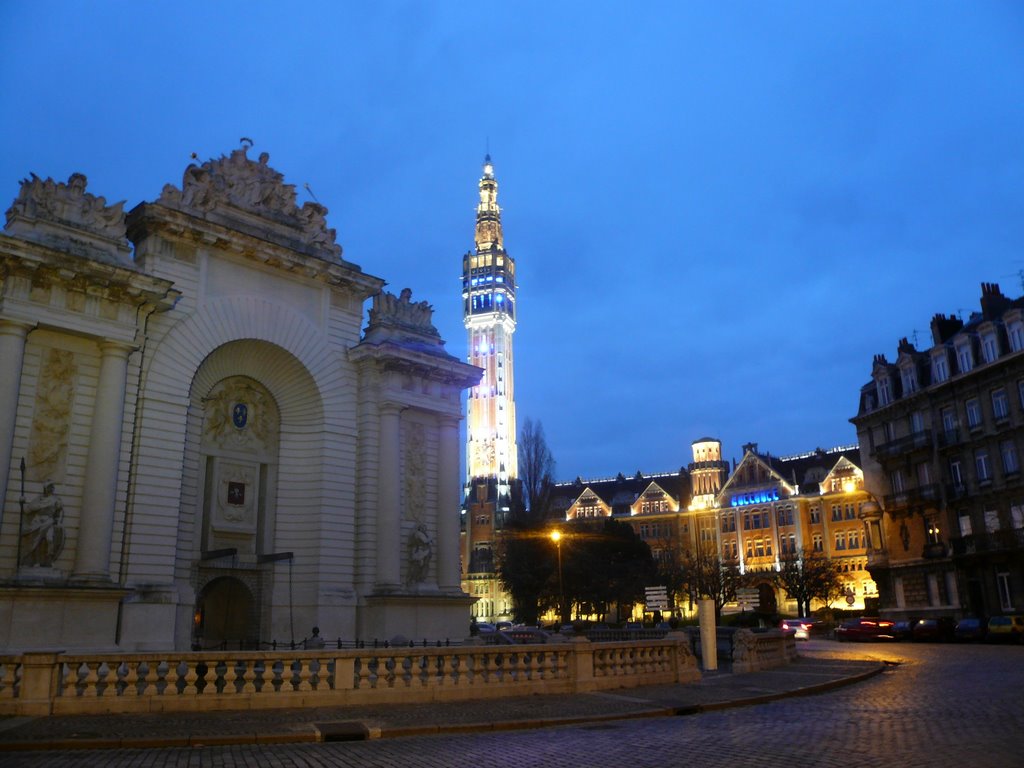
{"x": 622, "y": 491}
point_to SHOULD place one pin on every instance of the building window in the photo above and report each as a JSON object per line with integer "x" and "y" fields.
{"x": 750, "y": 549}
{"x": 853, "y": 540}
{"x": 964, "y": 357}
{"x": 767, "y": 547}
{"x": 931, "y": 529}
{"x": 949, "y": 422}
{"x": 1008, "y": 452}
{"x": 884, "y": 390}
{"x": 816, "y": 543}
{"x": 991, "y": 520}
{"x": 895, "y": 477}
{"x": 851, "y": 512}
{"x": 908, "y": 375}
{"x": 1000, "y": 405}
{"x": 785, "y": 515}
{"x": 815, "y": 515}
{"x": 982, "y": 465}
{"x": 916, "y": 422}
{"x": 840, "y": 540}
{"x": 1003, "y": 586}
{"x": 759, "y": 547}
{"x": 837, "y": 513}
{"x": 924, "y": 474}
{"x": 965, "y": 523}
{"x": 940, "y": 368}
{"x": 1017, "y": 516}
{"x": 989, "y": 347}
{"x": 973, "y": 408}
{"x": 956, "y": 474}
{"x": 1016, "y": 334}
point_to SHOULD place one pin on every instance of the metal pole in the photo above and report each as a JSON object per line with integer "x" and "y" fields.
{"x": 21, "y": 517}
{"x": 561, "y": 588}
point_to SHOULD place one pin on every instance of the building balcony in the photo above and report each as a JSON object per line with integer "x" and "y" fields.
{"x": 995, "y": 541}
{"x": 956, "y": 491}
{"x": 903, "y": 445}
{"x": 950, "y": 437}
{"x": 934, "y": 550}
{"x": 912, "y": 497}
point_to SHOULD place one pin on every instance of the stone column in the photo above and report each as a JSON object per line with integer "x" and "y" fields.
{"x": 12, "y": 353}
{"x": 448, "y": 574}
{"x": 389, "y": 521}
{"x": 92, "y": 553}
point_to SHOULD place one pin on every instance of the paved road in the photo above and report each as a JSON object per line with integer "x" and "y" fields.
{"x": 943, "y": 706}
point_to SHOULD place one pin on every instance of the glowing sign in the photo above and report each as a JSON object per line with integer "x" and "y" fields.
{"x": 755, "y": 497}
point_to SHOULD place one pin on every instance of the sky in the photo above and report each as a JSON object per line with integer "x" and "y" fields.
{"x": 719, "y": 212}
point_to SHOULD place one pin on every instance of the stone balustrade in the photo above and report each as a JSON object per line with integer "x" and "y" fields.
{"x": 755, "y": 651}
{"x": 73, "y": 683}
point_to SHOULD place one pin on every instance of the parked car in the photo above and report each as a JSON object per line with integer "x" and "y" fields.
{"x": 503, "y": 625}
{"x": 525, "y": 635}
{"x": 485, "y": 626}
{"x": 865, "y": 628}
{"x": 970, "y": 628}
{"x": 933, "y": 630}
{"x": 1006, "y": 629}
{"x": 801, "y": 628}
{"x": 901, "y": 629}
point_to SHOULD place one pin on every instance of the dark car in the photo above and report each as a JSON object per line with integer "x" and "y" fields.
{"x": 802, "y": 628}
{"x": 865, "y": 628}
{"x": 933, "y": 630}
{"x": 901, "y": 629}
{"x": 970, "y": 628}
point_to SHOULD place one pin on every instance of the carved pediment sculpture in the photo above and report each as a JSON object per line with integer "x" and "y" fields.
{"x": 64, "y": 215}
{"x": 235, "y": 181}
{"x": 391, "y": 310}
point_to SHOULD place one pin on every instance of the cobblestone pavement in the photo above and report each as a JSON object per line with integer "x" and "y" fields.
{"x": 944, "y": 705}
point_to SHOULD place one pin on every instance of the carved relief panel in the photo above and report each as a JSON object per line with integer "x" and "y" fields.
{"x": 51, "y": 420}
{"x": 239, "y": 442}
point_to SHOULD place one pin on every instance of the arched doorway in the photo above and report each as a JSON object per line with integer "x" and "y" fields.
{"x": 766, "y": 602}
{"x": 225, "y": 614}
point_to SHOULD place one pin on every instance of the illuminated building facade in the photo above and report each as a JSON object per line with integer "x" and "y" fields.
{"x": 942, "y": 430}
{"x": 489, "y": 315}
{"x": 754, "y": 516}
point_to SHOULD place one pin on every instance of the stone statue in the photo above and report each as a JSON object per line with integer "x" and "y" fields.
{"x": 402, "y": 310}
{"x": 51, "y": 201}
{"x": 421, "y": 550}
{"x": 42, "y": 532}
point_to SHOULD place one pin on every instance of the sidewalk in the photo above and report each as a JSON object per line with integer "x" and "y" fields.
{"x": 716, "y": 690}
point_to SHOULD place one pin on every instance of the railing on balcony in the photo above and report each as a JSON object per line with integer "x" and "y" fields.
{"x": 933, "y": 550}
{"x": 950, "y": 437}
{"x": 902, "y": 445}
{"x": 912, "y": 496}
{"x": 992, "y": 541}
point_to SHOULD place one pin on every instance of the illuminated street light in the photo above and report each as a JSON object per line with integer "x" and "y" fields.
{"x": 556, "y": 536}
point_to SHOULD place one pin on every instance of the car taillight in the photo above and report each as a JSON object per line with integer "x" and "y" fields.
{"x": 885, "y": 623}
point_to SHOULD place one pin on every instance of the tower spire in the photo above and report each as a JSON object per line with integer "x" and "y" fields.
{"x": 489, "y": 315}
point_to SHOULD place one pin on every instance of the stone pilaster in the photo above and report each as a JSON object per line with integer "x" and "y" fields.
{"x": 389, "y": 540}
{"x": 92, "y": 553}
{"x": 448, "y": 505}
{"x": 12, "y": 351}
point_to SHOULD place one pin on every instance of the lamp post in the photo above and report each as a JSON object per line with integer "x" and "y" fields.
{"x": 556, "y": 536}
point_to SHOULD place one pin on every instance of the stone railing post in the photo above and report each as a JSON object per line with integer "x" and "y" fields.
{"x": 40, "y": 675}
{"x": 686, "y": 670}
{"x": 345, "y": 673}
{"x": 581, "y": 665}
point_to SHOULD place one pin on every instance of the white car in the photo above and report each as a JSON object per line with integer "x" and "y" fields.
{"x": 801, "y": 627}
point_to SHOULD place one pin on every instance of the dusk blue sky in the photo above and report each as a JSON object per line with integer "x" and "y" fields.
{"x": 719, "y": 211}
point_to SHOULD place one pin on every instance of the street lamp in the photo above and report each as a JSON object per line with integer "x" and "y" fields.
{"x": 556, "y": 536}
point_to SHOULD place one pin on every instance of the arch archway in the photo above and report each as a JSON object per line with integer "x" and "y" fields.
{"x": 225, "y": 613}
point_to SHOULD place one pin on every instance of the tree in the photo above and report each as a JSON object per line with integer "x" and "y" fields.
{"x": 536, "y": 467}
{"x": 603, "y": 564}
{"x": 525, "y": 557}
{"x": 708, "y": 577}
{"x": 807, "y": 576}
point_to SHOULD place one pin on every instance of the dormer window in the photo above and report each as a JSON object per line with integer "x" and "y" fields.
{"x": 908, "y": 375}
{"x": 940, "y": 366}
{"x": 964, "y": 356}
{"x": 1015, "y": 332}
{"x": 989, "y": 347}
{"x": 884, "y": 391}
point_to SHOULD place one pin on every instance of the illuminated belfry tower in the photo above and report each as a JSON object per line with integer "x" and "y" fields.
{"x": 489, "y": 314}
